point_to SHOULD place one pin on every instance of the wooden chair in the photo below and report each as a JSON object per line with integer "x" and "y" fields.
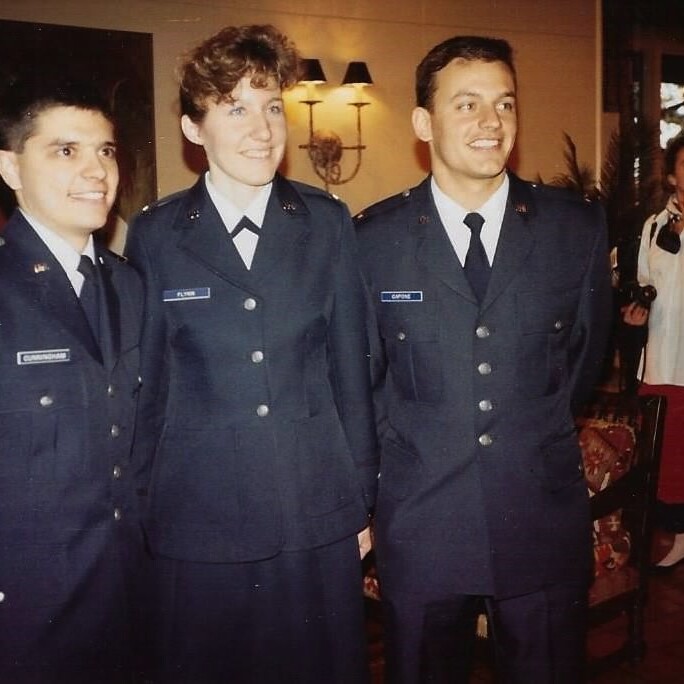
{"x": 621, "y": 438}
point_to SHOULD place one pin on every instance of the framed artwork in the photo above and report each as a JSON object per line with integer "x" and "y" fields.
{"x": 121, "y": 64}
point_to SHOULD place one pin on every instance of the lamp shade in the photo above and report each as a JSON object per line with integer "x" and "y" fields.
{"x": 311, "y": 71}
{"x": 357, "y": 74}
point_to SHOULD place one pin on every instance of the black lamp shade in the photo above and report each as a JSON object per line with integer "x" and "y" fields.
{"x": 357, "y": 74}
{"x": 311, "y": 71}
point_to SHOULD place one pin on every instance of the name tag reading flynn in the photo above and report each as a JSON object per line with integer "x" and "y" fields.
{"x": 188, "y": 293}
{"x": 31, "y": 358}
{"x": 401, "y": 296}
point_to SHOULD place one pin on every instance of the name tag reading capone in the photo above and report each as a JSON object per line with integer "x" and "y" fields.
{"x": 401, "y": 296}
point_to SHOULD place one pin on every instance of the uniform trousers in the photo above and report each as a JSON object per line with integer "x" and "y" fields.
{"x": 538, "y": 637}
{"x": 297, "y": 617}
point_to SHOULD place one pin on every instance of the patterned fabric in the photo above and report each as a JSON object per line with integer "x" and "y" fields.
{"x": 608, "y": 452}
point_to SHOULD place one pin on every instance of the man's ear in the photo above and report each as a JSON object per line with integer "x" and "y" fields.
{"x": 9, "y": 169}
{"x": 191, "y": 130}
{"x": 422, "y": 124}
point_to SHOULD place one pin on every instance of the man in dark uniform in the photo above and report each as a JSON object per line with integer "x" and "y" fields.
{"x": 492, "y": 305}
{"x": 259, "y": 409}
{"x": 70, "y": 543}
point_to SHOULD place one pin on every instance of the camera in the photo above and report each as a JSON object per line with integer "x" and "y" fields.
{"x": 642, "y": 295}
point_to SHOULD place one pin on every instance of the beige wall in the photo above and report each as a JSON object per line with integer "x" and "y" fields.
{"x": 556, "y": 53}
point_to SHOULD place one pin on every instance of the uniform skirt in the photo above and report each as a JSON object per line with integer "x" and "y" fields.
{"x": 297, "y": 617}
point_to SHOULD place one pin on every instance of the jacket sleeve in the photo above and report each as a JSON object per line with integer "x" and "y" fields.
{"x": 592, "y": 326}
{"x": 154, "y": 369}
{"x": 349, "y": 360}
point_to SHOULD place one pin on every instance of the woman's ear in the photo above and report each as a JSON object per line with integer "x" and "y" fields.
{"x": 191, "y": 130}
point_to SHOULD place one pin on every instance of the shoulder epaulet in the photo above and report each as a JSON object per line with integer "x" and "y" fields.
{"x": 562, "y": 192}
{"x": 384, "y": 205}
{"x": 148, "y": 208}
{"x": 312, "y": 190}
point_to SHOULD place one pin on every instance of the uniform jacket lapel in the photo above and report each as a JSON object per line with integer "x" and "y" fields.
{"x": 110, "y": 322}
{"x": 205, "y": 239}
{"x": 515, "y": 241}
{"x": 285, "y": 224}
{"x": 34, "y": 265}
{"x": 434, "y": 250}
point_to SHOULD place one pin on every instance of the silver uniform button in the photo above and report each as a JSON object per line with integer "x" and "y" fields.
{"x": 110, "y": 390}
{"x": 485, "y": 405}
{"x": 482, "y": 331}
{"x": 2, "y": 596}
{"x": 46, "y": 400}
{"x": 257, "y": 356}
{"x": 117, "y": 514}
{"x": 116, "y": 472}
{"x": 262, "y": 410}
{"x": 249, "y": 304}
{"x": 485, "y": 439}
{"x": 484, "y": 368}
{"x": 115, "y": 430}
{"x": 558, "y": 325}
{"x": 401, "y": 335}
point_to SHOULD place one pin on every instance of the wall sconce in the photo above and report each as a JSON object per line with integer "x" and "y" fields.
{"x": 325, "y": 149}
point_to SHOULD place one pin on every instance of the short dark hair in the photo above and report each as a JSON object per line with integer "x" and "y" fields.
{"x": 468, "y": 48}
{"x": 671, "y": 152}
{"x": 27, "y": 96}
{"x": 210, "y": 72}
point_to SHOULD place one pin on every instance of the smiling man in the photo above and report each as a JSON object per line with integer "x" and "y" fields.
{"x": 256, "y": 425}
{"x": 491, "y": 298}
{"x": 70, "y": 540}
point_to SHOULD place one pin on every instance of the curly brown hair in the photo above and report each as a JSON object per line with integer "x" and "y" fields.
{"x": 210, "y": 72}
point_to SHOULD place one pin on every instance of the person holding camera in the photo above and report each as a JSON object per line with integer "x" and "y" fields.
{"x": 661, "y": 265}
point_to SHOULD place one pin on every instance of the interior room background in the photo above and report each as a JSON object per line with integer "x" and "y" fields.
{"x": 558, "y": 49}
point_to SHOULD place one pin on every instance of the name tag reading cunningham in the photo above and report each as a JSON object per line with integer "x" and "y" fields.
{"x": 30, "y": 358}
{"x": 401, "y": 296}
{"x": 187, "y": 293}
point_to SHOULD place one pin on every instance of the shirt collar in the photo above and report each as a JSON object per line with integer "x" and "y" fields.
{"x": 492, "y": 210}
{"x": 230, "y": 214}
{"x": 65, "y": 254}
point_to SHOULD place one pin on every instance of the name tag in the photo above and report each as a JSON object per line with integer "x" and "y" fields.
{"x": 188, "y": 293}
{"x": 31, "y": 358}
{"x": 402, "y": 296}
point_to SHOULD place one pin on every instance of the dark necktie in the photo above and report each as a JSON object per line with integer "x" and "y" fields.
{"x": 245, "y": 237}
{"x": 90, "y": 295}
{"x": 244, "y": 224}
{"x": 476, "y": 264}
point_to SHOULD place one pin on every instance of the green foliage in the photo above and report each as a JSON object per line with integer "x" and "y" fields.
{"x": 629, "y": 185}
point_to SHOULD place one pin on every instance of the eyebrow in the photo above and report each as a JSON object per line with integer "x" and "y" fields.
{"x": 62, "y": 142}
{"x": 469, "y": 93}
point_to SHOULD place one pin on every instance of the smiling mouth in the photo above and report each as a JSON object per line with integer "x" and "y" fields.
{"x": 257, "y": 154}
{"x": 91, "y": 195}
{"x": 487, "y": 144}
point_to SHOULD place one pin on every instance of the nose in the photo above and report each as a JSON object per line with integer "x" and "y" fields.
{"x": 94, "y": 166}
{"x": 490, "y": 117}
{"x": 261, "y": 127}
